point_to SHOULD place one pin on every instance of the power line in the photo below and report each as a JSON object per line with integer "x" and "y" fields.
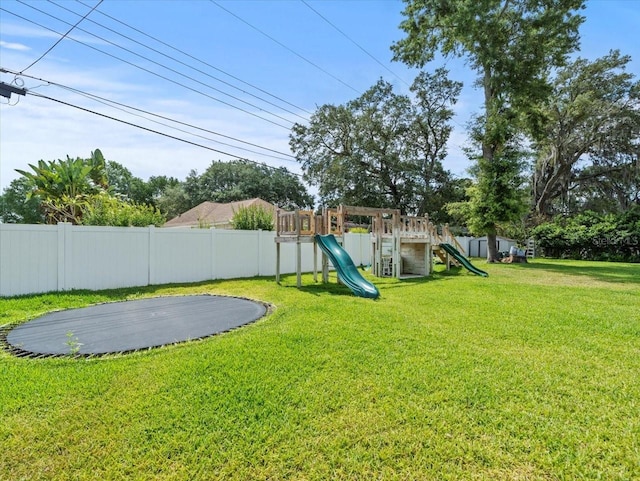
{"x": 165, "y": 67}
{"x": 149, "y": 71}
{"x": 184, "y": 64}
{"x": 113, "y": 103}
{"x": 131, "y": 124}
{"x": 62, "y": 38}
{"x": 354, "y": 42}
{"x": 285, "y": 47}
{"x": 199, "y": 60}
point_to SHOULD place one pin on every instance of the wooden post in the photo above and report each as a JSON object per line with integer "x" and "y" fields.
{"x": 325, "y": 268}
{"x": 298, "y": 250}
{"x": 298, "y": 263}
{"x": 378, "y": 236}
{"x": 278, "y": 262}
{"x": 315, "y": 261}
{"x": 395, "y": 267}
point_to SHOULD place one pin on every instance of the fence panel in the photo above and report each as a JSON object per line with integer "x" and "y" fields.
{"x": 43, "y": 258}
{"x": 106, "y": 257}
{"x": 28, "y": 259}
{"x": 236, "y": 254}
{"x": 359, "y": 248}
{"x": 181, "y": 255}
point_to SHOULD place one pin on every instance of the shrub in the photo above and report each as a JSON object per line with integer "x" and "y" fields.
{"x": 104, "y": 209}
{"x": 253, "y": 217}
{"x": 592, "y": 236}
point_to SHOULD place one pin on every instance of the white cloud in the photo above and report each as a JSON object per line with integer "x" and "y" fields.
{"x": 14, "y": 46}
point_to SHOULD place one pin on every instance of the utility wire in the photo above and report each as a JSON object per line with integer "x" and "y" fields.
{"x": 62, "y": 38}
{"x": 199, "y": 60}
{"x": 150, "y": 71}
{"x": 354, "y": 42}
{"x": 113, "y": 103}
{"x": 131, "y": 124}
{"x": 165, "y": 67}
{"x": 185, "y": 64}
{"x": 285, "y": 47}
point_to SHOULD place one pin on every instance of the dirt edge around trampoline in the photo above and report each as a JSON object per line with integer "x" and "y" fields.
{"x": 19, "y": 352}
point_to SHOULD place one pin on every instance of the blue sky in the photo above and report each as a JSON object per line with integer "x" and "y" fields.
{"x": 239, "y": 69}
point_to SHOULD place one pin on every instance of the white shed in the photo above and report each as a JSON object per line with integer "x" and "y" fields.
{"x": 478, "y": 245}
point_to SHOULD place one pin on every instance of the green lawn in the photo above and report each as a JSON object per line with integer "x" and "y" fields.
{"x": 530, "y": 374}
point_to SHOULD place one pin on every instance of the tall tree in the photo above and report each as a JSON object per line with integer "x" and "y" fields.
{"x": 174, "y": 201}
{"x": 512, "y": 45}
{"x": 609, "y": 185}
{"x": 17, "y": 206}
{"x": 123, "y": 183}
{"x": 242, "y": 179}
{"x": 593, "y": 118}
{"x": 382, "y": 149}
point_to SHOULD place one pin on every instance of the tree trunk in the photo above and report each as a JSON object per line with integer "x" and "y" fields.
{"x": 492, "y": 245}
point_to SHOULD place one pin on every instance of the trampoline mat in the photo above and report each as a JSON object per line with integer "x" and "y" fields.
{"x": 132, "y": 325}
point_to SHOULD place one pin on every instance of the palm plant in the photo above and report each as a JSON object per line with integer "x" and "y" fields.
{"x": 65, "y": 185}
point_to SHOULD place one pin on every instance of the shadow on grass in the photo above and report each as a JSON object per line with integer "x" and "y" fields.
{"x": 319, "y": 288}
{"x": 120, "y": 293}
{"x": 600, "y": 271}
{"x": 333, "y": 287}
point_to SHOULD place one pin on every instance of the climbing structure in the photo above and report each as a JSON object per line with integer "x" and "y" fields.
{"x": 401, "y": 245}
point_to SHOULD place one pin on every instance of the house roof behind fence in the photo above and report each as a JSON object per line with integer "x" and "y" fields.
{"x": 212, "y": 214}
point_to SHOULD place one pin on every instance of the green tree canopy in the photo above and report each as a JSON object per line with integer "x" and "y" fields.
{"x": 17, "y": 206}
{"x": 63, "y": 186}
{"x": 589, "y": 143}
{"x": 512, "y": 45}
{"x": 242, "y": 179}
{"x": 88, "y": 191}
{"x": 129, "y": 187}
{"x": 381, "y": 149}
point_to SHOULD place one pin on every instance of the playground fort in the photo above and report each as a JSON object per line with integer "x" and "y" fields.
{"x": 401, "y": 245}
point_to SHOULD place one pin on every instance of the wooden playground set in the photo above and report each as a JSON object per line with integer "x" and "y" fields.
{"x": 401, "y": 246}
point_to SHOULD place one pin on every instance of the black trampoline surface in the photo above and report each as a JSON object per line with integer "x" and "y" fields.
{"x": 132, "y": 325}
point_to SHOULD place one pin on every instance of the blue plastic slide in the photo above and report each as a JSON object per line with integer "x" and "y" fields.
{"x": 347, "y": 271}
{"x": 457, "y": 255}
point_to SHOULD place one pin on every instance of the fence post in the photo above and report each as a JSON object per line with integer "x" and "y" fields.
{"x": 65, "y": 250}
{"x": 259, "y": 269}
{"x": 60, "y": 263}
{"x": 1, "y": 267}
{"x": 151, "y": 255}
{"x": 214, "y": 254}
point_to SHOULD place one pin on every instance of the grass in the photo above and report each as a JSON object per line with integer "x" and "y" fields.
{"x": 530, "y": 374}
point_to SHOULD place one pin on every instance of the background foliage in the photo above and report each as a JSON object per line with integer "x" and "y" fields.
{"x": 592, "y": 236}
{"x": 253, "y": 217}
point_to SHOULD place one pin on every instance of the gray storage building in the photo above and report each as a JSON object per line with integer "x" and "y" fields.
{"x": 478, "y": 245}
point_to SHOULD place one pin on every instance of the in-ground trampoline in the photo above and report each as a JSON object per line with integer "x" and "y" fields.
{"x": 121, "y": 327}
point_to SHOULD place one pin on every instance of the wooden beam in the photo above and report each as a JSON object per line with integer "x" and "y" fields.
{"x": 278, "y": 262}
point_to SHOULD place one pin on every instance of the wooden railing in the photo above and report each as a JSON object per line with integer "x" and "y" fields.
{"x": 449, "y": 238}
{"x": 306, "y": 223}
{"x": 301, "y": 222}
{"x": 407, "y": 226}
{"x": 415, "y": 226}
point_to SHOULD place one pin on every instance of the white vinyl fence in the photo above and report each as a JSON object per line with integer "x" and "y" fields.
{"x": 43, "y": 258}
